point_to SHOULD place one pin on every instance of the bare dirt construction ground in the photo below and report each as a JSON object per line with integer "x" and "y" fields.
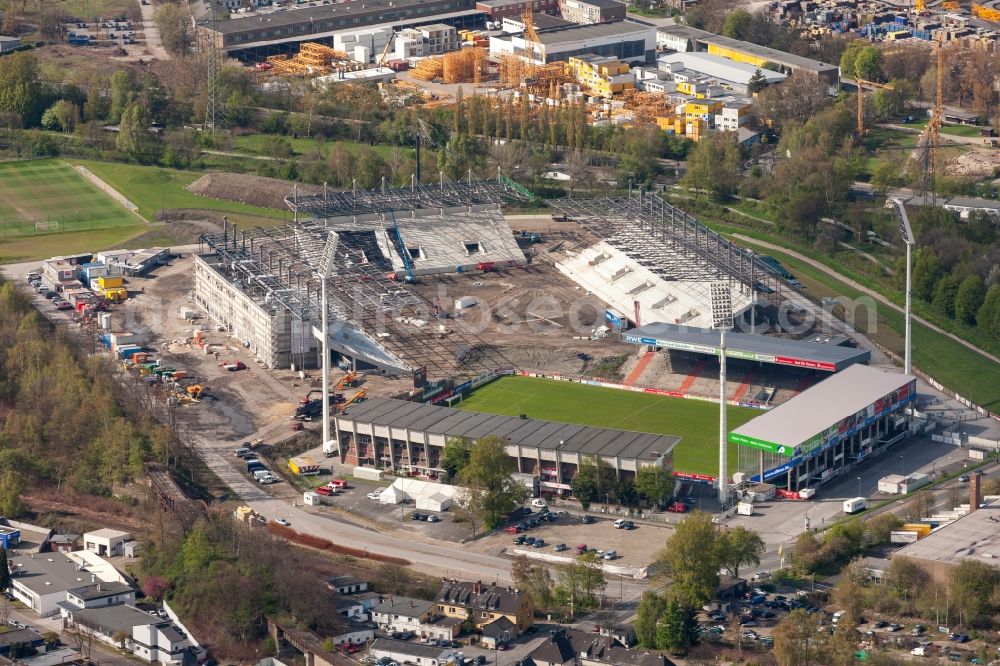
{"x": 976, "y": 163}
{"x": 247, "y": 189}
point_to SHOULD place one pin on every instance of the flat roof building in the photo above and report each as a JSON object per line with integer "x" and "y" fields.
{"x": 975, "y": 536}
{"x": 827, "y": 428}
{"x": 396, "y": 434}
{"x": 687, "y": 39}
{"x": 748, "y": 346}
{"x": 626, "y": 40}
{"x": 256, "y": 36}
{"x": 42, "y": 581}
{"x": 592, "y": 11}
{"x": 728, "y": 73}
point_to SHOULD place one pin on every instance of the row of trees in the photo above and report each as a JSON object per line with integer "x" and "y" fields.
{"x": 577, "y": 588}
{"x": 956, "y": 269}
{"x": 691, "y": 561}
{"x": 62, "y": 423}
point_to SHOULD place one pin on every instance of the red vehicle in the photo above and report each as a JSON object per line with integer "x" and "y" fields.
{"x": 233, "y": 366}
{"x": 677, "y": 507}
{"x": 581, "y": 549}
{"x": 323, "y": 490}
{"x": 338, "y": 483}
{"x": 350, "y": 648}
{"x": 513, "y": 529}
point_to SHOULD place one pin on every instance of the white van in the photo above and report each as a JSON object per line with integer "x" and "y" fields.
{"x": 538, "y": 503}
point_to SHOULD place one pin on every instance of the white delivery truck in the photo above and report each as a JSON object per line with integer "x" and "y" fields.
{"x": 855, "y": 505}
{"x": 744, "y": 508}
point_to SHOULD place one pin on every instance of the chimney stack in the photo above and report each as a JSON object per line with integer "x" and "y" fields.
{"x": 975, "y": 490}
{"x": 478, "y": 587}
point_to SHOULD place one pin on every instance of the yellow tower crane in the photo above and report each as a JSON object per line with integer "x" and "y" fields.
{"x": 937, "y": 113}
{"x": 530, "y": 39}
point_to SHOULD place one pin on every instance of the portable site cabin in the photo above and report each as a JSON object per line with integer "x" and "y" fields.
{"x": 303, "y": 466}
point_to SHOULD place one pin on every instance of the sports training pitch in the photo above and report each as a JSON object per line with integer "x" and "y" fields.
{"x": 696, "y": 422}
{"x": 49, "y": 196}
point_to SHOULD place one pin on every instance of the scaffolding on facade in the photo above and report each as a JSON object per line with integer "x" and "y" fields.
{"x": 443, "y": 194}
{"x": 668, "y": 241}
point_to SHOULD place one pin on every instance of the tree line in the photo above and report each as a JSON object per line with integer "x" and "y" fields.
{"x": 66, "y": 425}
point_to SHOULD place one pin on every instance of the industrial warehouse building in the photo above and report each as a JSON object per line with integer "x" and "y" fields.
{"x": 686, "y": 39}
{"x": 256, "y": 37}
{"x": 625, "y": 40}
{"x": 828, "y": 428}
{"x": 410, "y": 437}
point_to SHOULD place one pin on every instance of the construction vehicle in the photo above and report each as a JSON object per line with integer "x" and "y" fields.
{"x": 350, "y": 380}
{"x": 196, "y": 390}
{"x": 233, "y": 366}
{"x": 357, "y": 397}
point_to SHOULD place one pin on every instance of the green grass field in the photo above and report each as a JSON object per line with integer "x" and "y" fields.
{"x": 154, "y": 188}
{"x": 955, "y": 366}
{"x": 50, "y": 196}
{"x": 696, "y": 422}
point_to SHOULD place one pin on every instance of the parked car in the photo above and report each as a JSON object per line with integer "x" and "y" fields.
{"x": 512, "y": 529}
{"x": 677, "y": 507}
{"x": 587, "y": 520}
{"x": 518, "y": 540}
{"x": 917, "y": 630}
{"x": 757, "y": 599}
{"x": 560, "y": 547}
{"x": 539, "y": 543}
{"x": 620, "y": 523}
{"x": 611, "y": 555}
{"x": 880, "y": 624}
{"x": 581, "y": 549}
{"x": 539, "y": 503}
{"x": 416, "y": 515}
{"x": 374, "y": 495}
{"x": 282, "y": 521}
{"x": 323, "y": 490}
{"x": 432, "y": 519}
{"x": 895, "y": 627}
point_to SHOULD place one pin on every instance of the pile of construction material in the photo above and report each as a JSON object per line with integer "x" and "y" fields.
{"x": 467, "y": 65}
{"x": 312, "y": 60}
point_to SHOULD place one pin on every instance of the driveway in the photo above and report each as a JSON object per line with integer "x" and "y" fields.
{"x": 154, "y": 44}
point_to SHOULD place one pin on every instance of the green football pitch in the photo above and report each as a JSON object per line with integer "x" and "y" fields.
{"x": 696, "y": 422}
{"x": 49, "y": 196}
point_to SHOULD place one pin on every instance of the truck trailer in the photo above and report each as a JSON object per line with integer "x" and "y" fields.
{"x": 855, "y": 505}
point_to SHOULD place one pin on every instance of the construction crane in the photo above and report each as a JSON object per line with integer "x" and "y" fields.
{"x": 937, "y": 113}
{"x": 402, "y": 248}
{"x": 530, "y": 39}
{"x": 385, "y": 52}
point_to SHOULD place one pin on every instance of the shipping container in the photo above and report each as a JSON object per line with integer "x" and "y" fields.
{"x": 368, "y": 473}
{"x": 855, "y": 505}
{"x": 303, "y": 466}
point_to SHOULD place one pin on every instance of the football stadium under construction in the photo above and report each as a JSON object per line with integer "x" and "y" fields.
{"x": 388, "y": 246}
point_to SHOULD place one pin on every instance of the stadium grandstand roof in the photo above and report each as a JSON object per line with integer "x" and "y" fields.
{"x": 535, "y": 433}
{"x": 443, "y": 194}
{"x": 813, "y": 411}
{"x": 750, "y": 346}
{"x": 373, "y": 308}
{"x": 671, "y": 286}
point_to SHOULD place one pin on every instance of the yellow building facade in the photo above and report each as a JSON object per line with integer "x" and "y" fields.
{"x": 602, "y": 77}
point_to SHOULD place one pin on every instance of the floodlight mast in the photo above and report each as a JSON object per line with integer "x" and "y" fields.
{"x": 906, "y": 234}
{"x": 329, "y": 256}
{"x": 722, "y": 320}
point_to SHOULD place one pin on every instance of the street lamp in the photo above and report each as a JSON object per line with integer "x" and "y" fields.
{"x": 859, "y": 487}
{"x": 906, "y": 233}
{"x": 722, "y": 320}
{"x": 329, "y": 255}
